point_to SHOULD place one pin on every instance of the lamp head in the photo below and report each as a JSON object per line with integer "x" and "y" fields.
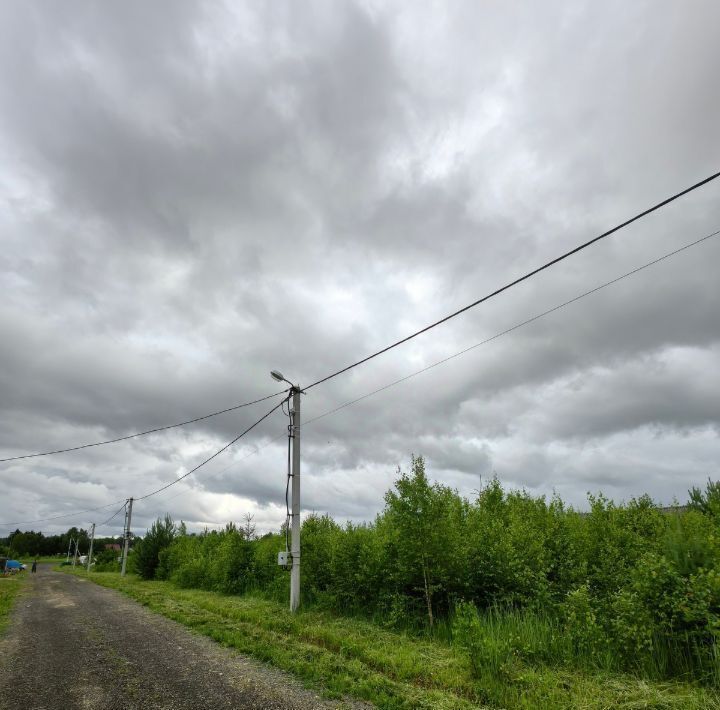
{"x": 278, "y": 376}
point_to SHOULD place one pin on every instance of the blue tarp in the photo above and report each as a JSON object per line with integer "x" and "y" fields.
{"x": 14, "y": 564}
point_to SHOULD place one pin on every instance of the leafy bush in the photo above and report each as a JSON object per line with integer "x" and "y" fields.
{"x": 469, "y": 635}
{"x": 624, "y": 587}
{"x": 707, "y": 501}
{"x": 582, "y": 626}
{"x": 146, "y": 553}
{"x": 106, "y": 561}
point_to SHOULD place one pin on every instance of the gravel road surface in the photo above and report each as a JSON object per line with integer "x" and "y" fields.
{"x": 73, "y": 644}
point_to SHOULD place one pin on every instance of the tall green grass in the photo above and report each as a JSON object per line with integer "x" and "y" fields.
{"x": 496, "y": 637}
{"x": 10, "y": 588}
{"x": 399, "y": 671}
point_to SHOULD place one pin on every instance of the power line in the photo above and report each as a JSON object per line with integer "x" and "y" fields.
{"x": 105, "y": 522}
{"x": 217, "y": 453}
{"x": 143, "y": 433}
{"x": 59, "y": 517}
{"x": 254, "y": 452}
{"x": 528, "y": 275}
{"x": 386, "y": 349}
{"x": 391, "y": 384}
{"x": 288, "y": 479}
{"x": 147, "y": 495}
{"x": 517, "y": 325}
{"x": 476, "y": 345}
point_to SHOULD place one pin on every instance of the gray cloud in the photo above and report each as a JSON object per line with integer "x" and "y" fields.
{"x": 194, "y": 194}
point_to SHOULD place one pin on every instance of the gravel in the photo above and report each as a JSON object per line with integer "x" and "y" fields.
{"x": 73, "y": 644}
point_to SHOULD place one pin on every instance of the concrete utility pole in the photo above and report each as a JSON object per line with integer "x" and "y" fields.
{"x": 92, "y": 541}
{"x": 295, "y": 542}
{"x": 128, "y": 521}
{"x": 75, "y": 556}
{"x": 70, "y": 542}
{"x": 295, "y": 393}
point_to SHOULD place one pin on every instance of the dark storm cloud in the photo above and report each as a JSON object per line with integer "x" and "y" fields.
{"x": 195, "y": 194}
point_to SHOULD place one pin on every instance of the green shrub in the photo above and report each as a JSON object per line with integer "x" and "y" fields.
{"x": 191, "y": 575}
{"x": 146, "y": 553}
{"x": 230, "y": 565}
{"x": 633, "y": 630}
{"x": 484, "y": 654}
{"x": 625, "y": 587}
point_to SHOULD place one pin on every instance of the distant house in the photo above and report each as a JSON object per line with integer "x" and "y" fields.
{"x": 113, "y": 546}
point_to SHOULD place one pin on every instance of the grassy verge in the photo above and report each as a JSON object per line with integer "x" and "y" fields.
{"x": 343, "y": 656}
{"x": 9, "y": 589}
{"x": 29, "y": 560}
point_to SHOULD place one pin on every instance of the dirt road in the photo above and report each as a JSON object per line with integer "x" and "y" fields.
{"x": 73, "y": 644}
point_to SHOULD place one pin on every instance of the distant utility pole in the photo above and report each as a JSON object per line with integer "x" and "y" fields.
{"x": 128, "y": 521}
{"x": 70, "y": 542}
{"x": 295, "y": 392}
{"x": 75, "y": 556}
{"x": 92, "y": 541}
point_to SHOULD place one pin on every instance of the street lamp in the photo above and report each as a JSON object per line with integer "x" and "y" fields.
{"x": 295, "y": 528}
{"x": 278, "y": 377}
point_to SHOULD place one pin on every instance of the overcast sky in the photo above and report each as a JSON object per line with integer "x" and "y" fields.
{"x": 194, "y": 194}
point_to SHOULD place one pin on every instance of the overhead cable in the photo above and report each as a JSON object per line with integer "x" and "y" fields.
{"x": 395, "y": 344}
{"x": 147, "y": 495}
{"x": 217, "y": 453}
{"x": 523, "y": 323}
{"x": 518, "y": 280}
{"x": 59, "y": 517}
{"x": 115, "y": 514}
{"x": 516, "y": 326}
{"x": 143, "y": 433}
{"x": 476, "y": 345}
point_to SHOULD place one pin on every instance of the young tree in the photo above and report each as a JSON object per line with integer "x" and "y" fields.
{"x": 425, "y": 525}
{"x": 146, "y": 554}
{"x": 707, "y": 501}
{"x": 249, "y": 527}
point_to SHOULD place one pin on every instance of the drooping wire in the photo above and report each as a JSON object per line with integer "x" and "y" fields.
{"x": 402, "y": 379}
{"x": 290, "y": 436}
{"x": 60, "y": 517}
{"x": 517, "y": 325}
{"x": 117, "y": 512}
{"x": 534, "y": 318}
{"x": 143, "y": 433}
{"x": 526, "y": 276}
{"x": 109, "y": 505}
{"x": 210, "y": 458}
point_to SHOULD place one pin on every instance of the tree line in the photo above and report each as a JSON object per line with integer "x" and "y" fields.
{"x": 35, "y": 544}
